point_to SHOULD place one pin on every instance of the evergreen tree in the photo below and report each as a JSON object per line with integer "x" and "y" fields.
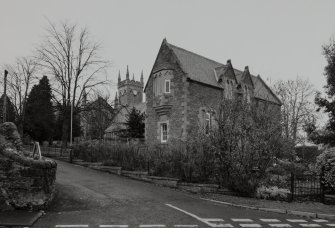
{"x": 10, "y": 110}
{"x": 135, "y": 124}
{"x": 40, "y": 117}
{"x": 327, "y": 104}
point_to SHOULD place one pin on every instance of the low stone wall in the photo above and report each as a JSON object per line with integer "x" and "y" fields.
{"x": 165, "y": 181}
{"x": 198, "y": 188}
{"x": 109, "y": 169}
{"x": 24, "y": 182}
{"x": 135, "y": 175}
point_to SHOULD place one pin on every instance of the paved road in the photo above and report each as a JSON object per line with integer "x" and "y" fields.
{"x": 89, "y": 198}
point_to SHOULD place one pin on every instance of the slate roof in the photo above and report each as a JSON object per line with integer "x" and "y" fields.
{"x": 197, "y": 67}
{"x": 202, "y": 69}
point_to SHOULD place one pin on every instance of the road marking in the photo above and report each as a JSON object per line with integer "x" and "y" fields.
{"x": 204, "y": 220}
{"x": 332, "y": 225}
{"x": 154, "y": 225}
{"x": 185, "y": 225}
{"x": 110, "y": 226}
{"x": 213, "y": 219}
{"x": 69, "y": 226}
{"x": 320, "y": 220}
{"x": 280, "y": 225}
{"x": 310, "y": 225}
{"x": 296, "y": 220}
{"x": 241, "y": 220}
{"x": 250, "y": 225}
{"x": 269, "y": 220}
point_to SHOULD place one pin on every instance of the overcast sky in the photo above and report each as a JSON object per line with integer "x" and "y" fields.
{"x": 276, "y": 39}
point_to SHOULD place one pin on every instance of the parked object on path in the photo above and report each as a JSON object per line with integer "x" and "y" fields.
{"x": 25, "y": 183}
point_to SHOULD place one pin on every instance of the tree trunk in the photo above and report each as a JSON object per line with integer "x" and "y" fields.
{"x": 65, "y": 133}
{"x": 20, "y": 128}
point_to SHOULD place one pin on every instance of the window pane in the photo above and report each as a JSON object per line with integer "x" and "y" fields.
{"x": 208, "y": 123}
{"x": 167, "y": 86}
{"x": 164, "y": 132}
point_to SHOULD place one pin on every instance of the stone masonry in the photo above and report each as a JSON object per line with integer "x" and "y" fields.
{"x": 25, "y": 183}
{"x": 197, "y": 87}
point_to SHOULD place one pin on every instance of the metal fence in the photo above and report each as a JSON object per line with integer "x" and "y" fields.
{"x": 49, "y": 151}
{"x": 306, "y": 186}
{"x": 311, "y": 187}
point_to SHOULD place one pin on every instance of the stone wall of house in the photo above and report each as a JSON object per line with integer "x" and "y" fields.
{"x": 174, "y": 117}
{"x": 24, "y": 182}
{"x": 201, "y": 98}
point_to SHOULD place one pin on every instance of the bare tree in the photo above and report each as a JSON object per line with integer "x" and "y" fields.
{"x": 22, "y": 75}
{"x": 245, "y": 142}
{"x": 297, "y": 98}
{"x": 70, "y": 56}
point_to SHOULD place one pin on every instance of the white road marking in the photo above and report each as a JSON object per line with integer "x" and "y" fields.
{"x": 332, "y": 225}
{"x": 269, "y": 220}
{"x": 221, "y": 225}
{"x": 242, "y": 220}
{"x": 296, "y": 220}
{"x": 309, "y": 225}
{"x": 279, "y": 225}
{"x": 154, "y": 225}
{"x": 185, "y": 225}
{"x": 213, "y": 219}
{"x": 111, "y": 226}
{"x": 70, "y": 226}
{"x": 204, "y": 220}
{"x": 250, "y": 225}
{"x": 320, "y": 220}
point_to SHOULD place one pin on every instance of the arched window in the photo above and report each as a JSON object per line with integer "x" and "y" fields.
{"x": 246, "y": 93}
{"x": 229, "y": 89}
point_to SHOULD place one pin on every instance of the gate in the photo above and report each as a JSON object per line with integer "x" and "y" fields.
{"x": 307, "y": 187}
{"x": 311, "y": 187}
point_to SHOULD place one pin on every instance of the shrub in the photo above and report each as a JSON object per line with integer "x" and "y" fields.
{"x": 308, "y": 154}
{"x": 326, "y": 165}
{"x": 246, "y": 143}
{"x": 273, "y": 193}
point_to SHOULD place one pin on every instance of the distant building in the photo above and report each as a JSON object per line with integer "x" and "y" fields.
{"x": 95, "y": 117}
{"x": 184, "y": 88}
{"x": 129, "y": 95}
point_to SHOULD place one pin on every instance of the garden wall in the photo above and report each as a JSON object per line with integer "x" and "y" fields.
{"x": 24, "y": 182}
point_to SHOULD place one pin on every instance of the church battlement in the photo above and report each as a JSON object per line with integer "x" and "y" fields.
{"x": 129, "y": 82}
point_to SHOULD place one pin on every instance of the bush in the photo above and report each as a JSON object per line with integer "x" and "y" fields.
{"x": 190, "y": 162}
{"x": 326, "y": 165}
{"x": 273, "y": 193}
{"x": 308, "y": 154}
{"x": 246, "y": 143}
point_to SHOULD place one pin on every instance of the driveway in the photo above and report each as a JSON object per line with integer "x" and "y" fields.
{"x": 89, "y": 198}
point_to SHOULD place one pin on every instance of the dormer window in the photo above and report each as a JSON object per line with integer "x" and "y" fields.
{"x": 229, "y": 89}
{"x": 246, "y": 94}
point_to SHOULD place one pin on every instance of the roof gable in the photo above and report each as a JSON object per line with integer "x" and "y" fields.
{"x": 225, "y": 72}
{"x": 165, "y": 47}
{"x": 207, "y": 71}
{"x": 246, "y": 77}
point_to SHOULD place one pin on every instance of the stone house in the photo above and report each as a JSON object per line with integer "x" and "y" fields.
{"x": 184, "y": 90}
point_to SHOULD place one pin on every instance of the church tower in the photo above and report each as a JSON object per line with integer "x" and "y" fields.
{"x": 130, "y": 91}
